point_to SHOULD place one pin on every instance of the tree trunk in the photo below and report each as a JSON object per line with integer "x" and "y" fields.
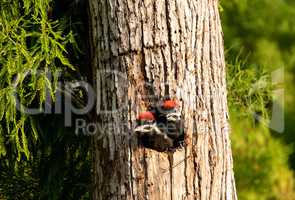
{"x": 158, "y": 48}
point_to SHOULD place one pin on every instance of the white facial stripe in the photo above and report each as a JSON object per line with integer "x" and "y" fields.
{"x": 173, "y": 116}
{"x": 143, "y": 128}
{"x": 146, "y": 128}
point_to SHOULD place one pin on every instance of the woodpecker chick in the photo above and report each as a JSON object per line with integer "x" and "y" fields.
{"x": 150, "y": 135}
{"x": 169, "y": 121}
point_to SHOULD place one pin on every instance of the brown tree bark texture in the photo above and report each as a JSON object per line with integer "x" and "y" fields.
{"x": 176, "y": 46}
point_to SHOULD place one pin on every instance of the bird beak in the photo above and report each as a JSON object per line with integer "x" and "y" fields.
{"x": 173, "y": 117}
{"x": 157, "y": 130}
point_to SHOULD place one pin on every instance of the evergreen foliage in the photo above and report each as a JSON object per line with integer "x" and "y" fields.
{"x": 31, "y": 48}
{"x": 39, "y": 158}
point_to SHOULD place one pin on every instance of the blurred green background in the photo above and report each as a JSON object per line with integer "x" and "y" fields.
{"x": 259, "y": 39}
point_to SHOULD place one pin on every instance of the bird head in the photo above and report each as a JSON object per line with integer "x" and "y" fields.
{"x": 171, "y": 108}
{"x": 145, "y": 123}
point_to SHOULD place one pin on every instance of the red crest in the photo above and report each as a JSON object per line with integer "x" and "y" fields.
{"x": 169, "y": 104}
{"x": 146, "y": 116}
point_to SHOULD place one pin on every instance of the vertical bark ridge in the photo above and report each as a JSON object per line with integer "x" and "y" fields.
{"x": 215, "y": 107}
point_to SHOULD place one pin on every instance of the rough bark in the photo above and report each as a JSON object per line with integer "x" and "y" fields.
{"x": 163, "y": 47}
